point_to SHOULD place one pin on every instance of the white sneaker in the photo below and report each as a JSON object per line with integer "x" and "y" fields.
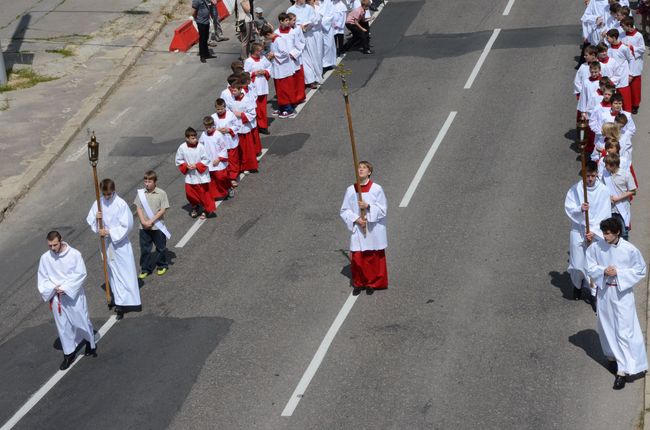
{"x": 275, "y": 112}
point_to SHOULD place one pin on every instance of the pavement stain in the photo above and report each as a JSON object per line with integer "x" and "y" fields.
{"x": 246, "y": 226}
{"x": 287, "y": 144}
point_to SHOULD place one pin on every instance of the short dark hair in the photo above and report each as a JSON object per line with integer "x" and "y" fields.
{"x": 208, "y": 121}
{"x": 233, "y": 79}
{"x": 594, "y": 65}
{"x": 610, "y": 225}
{"x": 601, "y": 47}
{"x": 220, "y": 102}
{"x": 54, "y": 235}
{"x": 621, "y": 119}
{"x": 613, "y": 32}
{"x": 266, "y": 30}
{"x": 257, "y": 46}
{"x": 107, "y": 185}
{"x": 628, "y": 21}
{"x": 151, "y": 174}
{"x": 591, "y": 49}
{"x": 616, "y": 98}
{"x": 189, "y": 131}
{"x": 368, "y": 164}
{"x": 283, "y": 16}
{"x": 591, "y": 166}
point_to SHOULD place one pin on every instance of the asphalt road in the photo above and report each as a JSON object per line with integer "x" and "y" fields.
{"x": 476, "y": 329}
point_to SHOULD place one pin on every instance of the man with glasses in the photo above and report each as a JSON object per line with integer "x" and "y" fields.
{"x": 118, "y": 222}
{"x": 599, "y": 208}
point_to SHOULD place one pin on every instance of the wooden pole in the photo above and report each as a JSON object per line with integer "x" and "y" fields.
{"x": 582, "y": 142}
{"x": 93, "y": 152}
{"x": 342, "y": 72}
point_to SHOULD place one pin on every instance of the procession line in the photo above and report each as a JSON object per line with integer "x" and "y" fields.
{"x": 340, "y": 58}
{"x": 427, "y": 160}
{"x": 199, "y": 222}
{"x": 482, "y": 58}
{"x": 37, "y": 396}
{"x": 299, "y": 392}
{"x": 506, "y": 11}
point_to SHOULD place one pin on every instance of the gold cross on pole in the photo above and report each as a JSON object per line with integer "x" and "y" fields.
{"x": 342, "y": 72}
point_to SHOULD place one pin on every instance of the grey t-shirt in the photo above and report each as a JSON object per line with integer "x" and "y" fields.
{"x": 202, "y": 11}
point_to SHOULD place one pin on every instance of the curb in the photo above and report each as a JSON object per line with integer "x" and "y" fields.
{"x": 90, "y": 106}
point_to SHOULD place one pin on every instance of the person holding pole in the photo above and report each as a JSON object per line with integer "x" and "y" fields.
{"x": 61, "y": 274}
{"x": 586, "y": 206}
{"x": 364, "y": 211}
{"x": 117, "y": 223}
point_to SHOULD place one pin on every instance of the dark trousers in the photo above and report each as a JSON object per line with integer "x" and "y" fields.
{"x": 149, "y": 260}
{"x": 204, "y": 34}
{"x": 340, "y": 42}
{"x": 359, "y": 36}
{"x": 619, "y": 218}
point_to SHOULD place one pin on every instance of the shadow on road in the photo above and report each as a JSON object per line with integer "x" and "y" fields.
{"x": 563, "y": 282}
{"x": 588, "y": 341}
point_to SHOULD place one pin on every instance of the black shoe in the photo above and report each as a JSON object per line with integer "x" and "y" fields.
{"x": 264, "y": 130}
{"x": 67, "y": 361}
{"x": 203, "y": 59}
{"x": 210, "y": 56}
{"x": 619, "y": 382}
{"x": 612, "y": 366}
{"x": 370, "y": 291}
{"x": 356, "y": 291}
{"x": 592, "y": 301}
{"x": 577, "y": 293}
{"x": 119, "y": 315}
{"x": 635, "y": 110}
{"x": 90, "y": 352}
{"x": 368, "y": 51}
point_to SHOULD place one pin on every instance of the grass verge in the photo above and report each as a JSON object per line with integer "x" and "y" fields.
{"x": 63, "y": 51}
{"x": 23, "y": 78}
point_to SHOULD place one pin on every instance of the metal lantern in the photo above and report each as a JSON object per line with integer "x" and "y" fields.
{"x": 93, "y": 150}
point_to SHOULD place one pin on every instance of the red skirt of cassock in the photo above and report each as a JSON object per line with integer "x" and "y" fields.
{"x": 298, "y": 86}
{"x": 220, "y": 184}
{"x": 233, "y": 163}
{"x": 635, "y": 90}
{"x": 257, "y": 140}
{"x": 284, "y": 90}
{"x": 260, "y": 112}
{"x": 369, "y": 269}
{"x": 199, "y": 195}
{"x": 627, "y": 98}
{"x": 247, "y": 153}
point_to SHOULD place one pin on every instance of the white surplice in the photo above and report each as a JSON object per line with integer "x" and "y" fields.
{"x": 618, "y": 325}
{"x": 67, "y": 271}
{"x": 600, "y": 208}
{"x": 312, "y": 56}
{"x": 122, "y": 274}
{"x": 328, "y": 14}
{"x": 231, "y": 122}
{"x": 375, "y": 237}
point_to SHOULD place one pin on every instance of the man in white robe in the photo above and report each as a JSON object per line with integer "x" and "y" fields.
{"x": 599, "y": 208}
{"x": 61, "y": 274}
{"x": 118, "y": 223}
{"x": 615, "y": 265}
{"x": 368, "y": 240}
{"x": 328, "y": 14}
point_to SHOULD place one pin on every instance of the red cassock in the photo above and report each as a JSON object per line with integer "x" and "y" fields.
{"x": 260, "y": 111}
{"x": 626, "y": 92}
{"x": 635, "y": 91}
{"x": 284, "y": 90}
{"x": 369, "y": 269}
{"x": 257, "y": 140}
{"x": 298, "y": 86}
{"x": 247, "y": 152}
{"x": 234, "y": 162}
{"x": 220, "y": 184}
{"x": 198, "y": 194}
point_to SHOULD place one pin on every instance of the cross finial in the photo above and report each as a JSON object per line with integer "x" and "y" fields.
{"x": 342, "y": 72}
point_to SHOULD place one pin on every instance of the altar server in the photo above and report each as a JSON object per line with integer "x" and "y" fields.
{"x": 118, "y": 223}
{"x": 192, "y": 161}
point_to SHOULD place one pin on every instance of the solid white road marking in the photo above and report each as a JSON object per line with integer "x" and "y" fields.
{"x": 37, "y": 396}
{"x": 427, "y": 160}
{"x": 199, "y": 222}
{"x": 299, "y": 392}
{"x": 120, "y": 115}
{"x": 506, "y": 11}
{"x": 482, "y": 58}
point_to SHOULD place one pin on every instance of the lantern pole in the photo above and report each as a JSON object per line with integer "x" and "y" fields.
{"x": 93, "y": 157}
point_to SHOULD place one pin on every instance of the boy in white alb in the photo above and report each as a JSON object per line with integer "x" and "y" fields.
{"x": 228, "y": 125}
{"x": 623, "y": 58}
{"x": 282, "y": 70}
{"x": 634, "y": 40}
{"x": 243, "y": 108}
{"x": 61, "y": 274}
{"x": 118, "y": 223}
{"x": 368, "y": 239}
{"x": 192, "y": 161}
{"x": 260, "y": 69}
{"x": 216, "y": 148}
